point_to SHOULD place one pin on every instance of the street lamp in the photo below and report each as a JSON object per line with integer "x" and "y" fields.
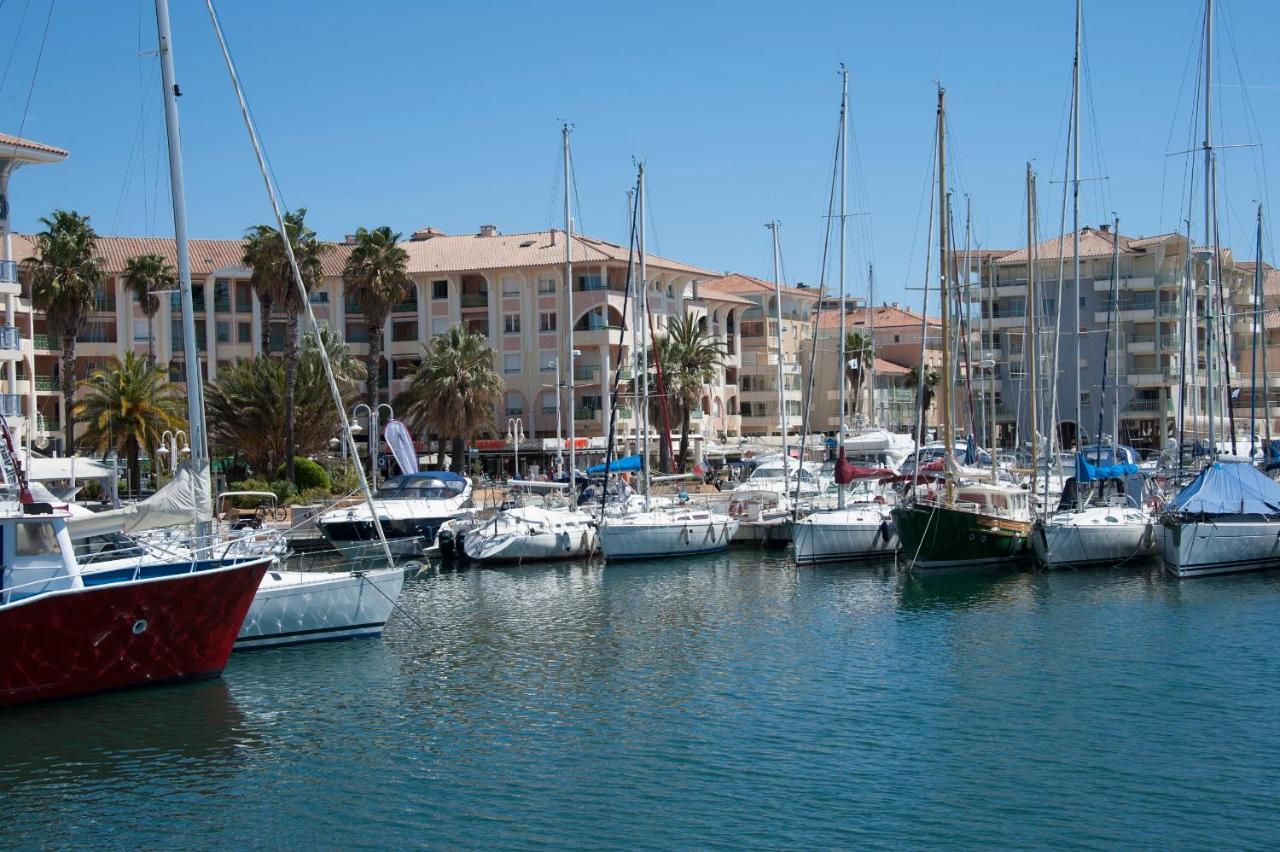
{"x": 515, "y": 434}
{"x": 375, "y": 440}
{"x": 171, "y": 452}
{"x": 559, "y": 386}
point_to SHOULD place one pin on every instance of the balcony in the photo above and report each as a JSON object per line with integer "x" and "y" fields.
{"x": 586, "y": 415}
{"x": 625, "y": 414}
{"x": 41, "y": 343}
{"x": 47, "y": 384}
{"x": 405, "y": 307}
{"x": 9, "y": 337}
{"x": 586, "y": 372}
{"x": 222, "y": 304}
{"x": 11, "y": 404}
{"x": 474, "y": 300}
{"x": 8, "y": 272}
{"x": 1147, "y": 406}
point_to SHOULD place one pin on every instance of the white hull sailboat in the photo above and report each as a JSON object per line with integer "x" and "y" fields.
{"x": 532, "y": 533}
{"x": 859, "y": 531}
{"x": 1226, "y": 521}
{"x": 1095, "y": 535}
{"x": 666, "y": 532}
{"x": 292, "y": 607}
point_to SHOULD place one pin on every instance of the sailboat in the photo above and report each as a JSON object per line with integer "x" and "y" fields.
{"x": 1227, "y": 519}
{"x": 973, "y": 521}
{"x": 532, "y": 532}
{"x": 1095, "y": 524}
{"x": 67, "y": 633}
{"x": 863, "y": 528}
{"x": 658, "y": 531}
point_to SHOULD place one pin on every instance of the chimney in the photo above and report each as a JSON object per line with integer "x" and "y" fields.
{"x": 425, "y": 234}
{"x": 349, "y": 239}
{"x": 1106, "y": 229}
{"x": 488, "y": 230}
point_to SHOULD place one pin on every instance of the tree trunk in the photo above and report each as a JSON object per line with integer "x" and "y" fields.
{"x": 69, "y": 391}
{"x": 290, "y": 387}
{"x": 264, "y": 320}
{"x": 685, "y": 417}
{"x": 372, "y": 374}
{"x": 440, "y": 451}
{"x": 457, "y": 450}
{"x": 664, "y": 444}
{"x": 151, "y": 340}
{"x": 135, "y": 467}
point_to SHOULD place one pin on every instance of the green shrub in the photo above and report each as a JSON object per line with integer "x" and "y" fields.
{"x": 306, "y": 474}
{"x": 251, "y": 484}
{"x": 343, "y": 480}
{"x": 309, "y": 496}
{"x": 284, "y": 490}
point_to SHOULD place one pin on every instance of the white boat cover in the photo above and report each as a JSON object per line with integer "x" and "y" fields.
{"x": 68, "y": 468}
{"x": 184, "y": 500}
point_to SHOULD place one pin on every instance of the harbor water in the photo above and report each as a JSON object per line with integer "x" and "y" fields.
{"x": 725, "y": 701}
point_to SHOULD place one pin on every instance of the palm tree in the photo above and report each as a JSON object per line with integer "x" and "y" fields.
{"x": 375, "y": 278}
{"x": 689, "y": 360}
{"x": 456, "y": 389}
{"x": 246, "y": 410}
{"x": 912, "y": 380}
{"x": 272, "y": 279}
{"x": 65, "y": 274}
{"x": 143, "y": 275}
{"x": 857, "y": 347}
{"x": 127, "y": 407}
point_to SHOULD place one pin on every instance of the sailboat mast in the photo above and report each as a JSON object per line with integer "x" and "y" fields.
{"x": 195, "y": 378}
{"x": 1075, "y": 221}
{"x": 844, "y": 140}
{"x": 1115, "y": 291}
{"x": 568, "y": 294}
{"x": 871, "y": 342}
{"x": 1208, "y": 220}
{"x": 643, "y": 306}
{"x": 944, "y": 213}
{"x": 1257, "y": 322}
{"x": 1266, "y": 379}
{"x": 1032, "y": 343}
{"x": 777, "y": 296}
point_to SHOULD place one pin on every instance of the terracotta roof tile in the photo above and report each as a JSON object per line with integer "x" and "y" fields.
{"x": 734, "y": 282}
{"x": 16, "y": 145}
{"x": 888, "y": 368}
{"x": 1093, "y": 243}
{"x": 886, "y": 316}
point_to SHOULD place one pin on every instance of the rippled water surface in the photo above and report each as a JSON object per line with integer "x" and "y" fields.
{"x": 725, "y": 701}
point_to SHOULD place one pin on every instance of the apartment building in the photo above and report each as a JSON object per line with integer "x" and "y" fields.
{"x": 896, "y": 334}
{"x": 508, "y": 287}
{"x": 749, "y": 307}
{"x": 1149, "y": 373}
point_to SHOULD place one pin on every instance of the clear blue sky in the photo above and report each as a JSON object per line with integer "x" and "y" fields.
{"x": 446, "y": 114}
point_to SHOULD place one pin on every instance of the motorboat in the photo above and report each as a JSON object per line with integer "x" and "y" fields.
{"x": 879, "y": 448}
{"x": 411, "y": 507}
{"x": 1226, "y": 520}
{"x": 783, "y": 476}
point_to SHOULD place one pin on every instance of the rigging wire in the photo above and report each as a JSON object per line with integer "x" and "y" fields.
{"x": 31, "y": 90}
{"x": 17, "y": 38}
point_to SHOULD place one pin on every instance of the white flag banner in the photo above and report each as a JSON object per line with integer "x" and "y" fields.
{"x": 401, "y": 443}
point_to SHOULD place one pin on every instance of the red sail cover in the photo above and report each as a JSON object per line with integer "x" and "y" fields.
{"x": 845, "y": 472}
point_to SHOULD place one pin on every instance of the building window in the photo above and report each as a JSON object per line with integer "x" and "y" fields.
{"x": 439, "y": 289}
{"x": 511, "y": 362}
{"x": 548, "y": 402}
{"x": 511, "y": 323}
{"x": 546, "y": 286}
{"x": 141, "y": 331}
{"x": 590, "y": 282}
{"x": 222, "y": 294}
{"x": 404, "y": 330}
{"x": 319, "y": 297}
{"x": 439, "y": 325}
{"x": 223, "y": 332}
{"x": 897, "y": 339}
{"x": 244, "y": 332}
{"x": 547, "y": 362}
{"x": 547, "y": 322}
{"x": 510, "y": 286}
{"x": 244, "y": 297}
{"x": 514, "y": 404}
{"x": 1084, "y": 399}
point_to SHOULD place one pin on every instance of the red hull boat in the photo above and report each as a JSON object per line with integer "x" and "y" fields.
{"x": 135, "y": 633}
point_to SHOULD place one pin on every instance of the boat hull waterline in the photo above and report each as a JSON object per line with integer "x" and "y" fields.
{"x": 1231, "y": 545}
{"x": 939, "y": 537}
{"x": 844, "y": 534}
{"x": 1072, "y": 544}
{"x": 658, "y": 538}
{"x": 294, "y": 607}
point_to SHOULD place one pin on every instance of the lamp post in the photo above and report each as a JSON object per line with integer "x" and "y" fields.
{"x": 559, "y": 386}
{"x": 375, "y": 441}
{"x": 171, "y": 452}
{"x": 515, "y": 434}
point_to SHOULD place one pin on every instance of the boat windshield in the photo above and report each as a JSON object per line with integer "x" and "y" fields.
{"x": 420, "y": 488}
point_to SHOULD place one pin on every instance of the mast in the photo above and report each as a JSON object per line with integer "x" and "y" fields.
{"x": 1266, "y": 379}
{"x": 1208, "y": 219}
{"x": 966, "y": 305}
{"x": 1115, "y": 318}
{"x": 643, "y": 307}
{"x": 844, "y": 141}
{"x": 194, "y": 377}
{"x": 1075, "y": 224}
{"x": 1257, "y": 321}
{"x": 943, "y": 214}
{"x": 871, "y": 340}
{"x": 991, "y": 422}
{"x": 1032, "y": 344}
{"x": 777, "y": 295}
{"x": 568, "y": 293}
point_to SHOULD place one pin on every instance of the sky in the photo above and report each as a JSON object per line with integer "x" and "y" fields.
{"x": 448, "y": 114}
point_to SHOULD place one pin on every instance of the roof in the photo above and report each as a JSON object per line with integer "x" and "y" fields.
{"x": 736, "y": 282}
{"x": 436, "y": 255}
{"x": 1270, "y": 290}
{"x": 19, "y": 148}
{"x": 885, "y": 316}
{"x": 708, "y": 292}
{"x": 444, "y": 254}
{"x": 1093, "y": 243}
{"x": 888, "y": 368}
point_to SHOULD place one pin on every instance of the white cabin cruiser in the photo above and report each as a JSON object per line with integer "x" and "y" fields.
{"x": 411, "y": 507}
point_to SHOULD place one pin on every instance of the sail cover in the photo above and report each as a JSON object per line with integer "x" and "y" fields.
{"x": 1229, "y": 488}
{"x": 401, "y": 444}
{"x": 1087, "y": 471}
{"x": 185, "y": 499}
{"x": 626, "y": 464}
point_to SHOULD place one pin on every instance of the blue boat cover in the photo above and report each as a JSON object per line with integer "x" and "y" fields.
{"x": 1088, "y": 472}
{"x": 1229, "y": 488}
{"x": 626, "y": 464}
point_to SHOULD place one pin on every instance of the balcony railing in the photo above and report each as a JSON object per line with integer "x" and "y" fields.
{"x": 46, "y": 383}
{"x": 475, "y": 300}
{"x": 11, "y": 404}
{"x": 585, "y": 372}
{"x": 9, "y": 337}
{"x": 8, "y": 272}
{"x": 515, "y": 411}
{"x": 41, "y": 343}
{"x": 407, "y": 306}
{"x": 587, "y": 414}
{"x": 223, "y": 304}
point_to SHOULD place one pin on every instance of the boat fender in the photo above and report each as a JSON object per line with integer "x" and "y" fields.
{"x": 684, "y": 534}
{"x": 886, "y": 531}
{"x": 567, "y": 541}
{"x": 711, "y": 534}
